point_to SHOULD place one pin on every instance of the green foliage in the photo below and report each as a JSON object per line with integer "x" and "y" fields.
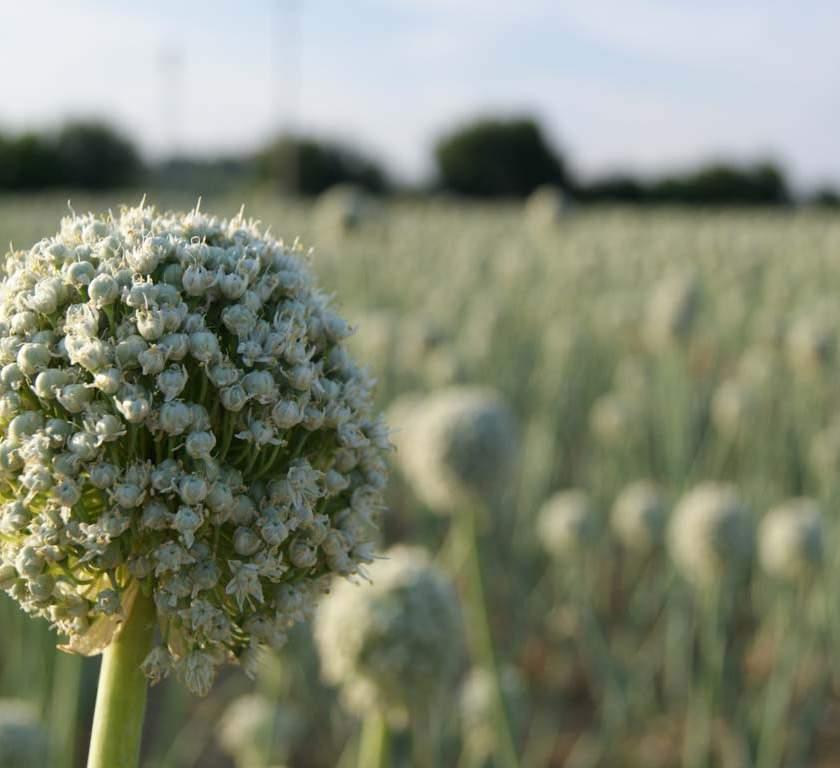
{"x": 715, "y": 184}
{"x": 92, "y": 155}
{"x": 498, "y": 158}
{"x": 308, "y": 166}
{"x": 81, "y": 155}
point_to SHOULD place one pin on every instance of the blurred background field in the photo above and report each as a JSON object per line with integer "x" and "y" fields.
{"x": 674, "y": 346}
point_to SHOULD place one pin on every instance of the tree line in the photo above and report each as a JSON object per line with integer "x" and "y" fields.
{"x": 485, "y": 158}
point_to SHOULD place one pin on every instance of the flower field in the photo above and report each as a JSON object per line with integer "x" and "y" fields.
{"x": 612, "y": 518}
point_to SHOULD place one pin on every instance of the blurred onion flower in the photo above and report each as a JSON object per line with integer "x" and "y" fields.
{"x": 565, "y": 522}
{"x": 477, "y": 703}
{"x": 638, "y": 516}
{"x": 672, "y": 311}
{"x": 456, "y": 445}
{"x": 394, "y": 645}
{"x": 254, "y": 728}
{"x": 546, "y": 207}
{"x": 790, "y": 540}
{"x": 710, "y": 534}
{"x": 179, "y": 417}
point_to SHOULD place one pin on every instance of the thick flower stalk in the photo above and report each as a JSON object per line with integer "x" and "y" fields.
{"x": 179, "y": 422}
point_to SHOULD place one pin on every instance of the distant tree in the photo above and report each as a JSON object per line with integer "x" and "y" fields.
{"x": 498, "y": 158}
{"x": 309, "y": 166}
{"x": 92, "y": 155}
{"x": 826, "y": 197}
{"x": 620, "y": 188}
{"x": 721, "y": 184}
{"x": 28, "y": 161}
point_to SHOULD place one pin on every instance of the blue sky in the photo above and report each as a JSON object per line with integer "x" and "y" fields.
{"x": 625, "y": 84}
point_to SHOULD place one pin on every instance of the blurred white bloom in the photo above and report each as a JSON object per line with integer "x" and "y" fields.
{"x": 455, "y": 445}
{"x": 477, "y": 705}
{"x": 790, "y": 540}
{"x": 614, "y": 418}
{"x": 672, "y": 311}
{"x": 732, "y": 405}
{"x": 566, "y": 522}
{"x": 253, "y": 729}
{"x": 638, "y": 516}
{"x": 546, "y": 207}
{"x": 710, "y": 533}
{"x": 394, "y": 645}
{"x": 811, "y": 343}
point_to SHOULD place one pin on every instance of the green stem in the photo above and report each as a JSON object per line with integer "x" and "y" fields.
{"x": 374, "y": 743}
{"x": 64, "y": 706}
{"x": 121, "y": 696}
{"x": 483, "y": 637}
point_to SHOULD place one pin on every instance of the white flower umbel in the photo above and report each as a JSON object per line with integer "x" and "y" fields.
{"x": 180, "y": 424}
{"x": 638, "y": 516}
{"x": 393, "y": 645}
{"x": 456, "y": 446}
{"x": 791, "y": 540}
{"x": 710, "y": 534}
{"x": 566, "y": 522}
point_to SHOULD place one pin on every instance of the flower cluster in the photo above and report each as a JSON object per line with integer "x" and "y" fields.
{"x": 394, "y": 644}
{"x": 566, "y": 522}
{"x": 638, "y": 516}
{"x": 178, "y": 415}
{"x": 791, "y": 540}
{"x": 710, "y": 535}
{"x": 456, "y": 445}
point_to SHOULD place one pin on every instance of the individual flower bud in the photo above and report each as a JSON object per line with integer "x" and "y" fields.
{"x": 187, "y": 521}
{"x": 48, "y": 382}
{"x": 172, "y": 381}
{"x": 175, "y": 346}
{"x": 233, "y": 398}
{"x": 11, "y": 376}
{"x": 33, "y": 358}
{"x": 108, "y": 381}
{"x": 239, "y": 320}
{"x": 232, "y": 286}
{"x": 150, "y": 324}
{"x": 103, "y": 290}
{"x": 80, "y": 273}
{"x": 175, "y": 418}
{"x": 260, "y": 386}
{"x": 223, "y": 374}
{"x": 93, "y": 355}
{"x": 192, "y": 489}
{"x": 74, "y": 397}
{"x": 286, "y": 414}
{"x": 204, "y": 346}
{"x": 246, "y": 542}
{"x": 133, "y": 404}
{"x": 24, "y": 425}
{"x": 152, "y": 360}
{"x": 127, "y": 352}
{"x": 103, "y": 475}
{"x": 199, "y": 445}
{"x": 108, "y": 428}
